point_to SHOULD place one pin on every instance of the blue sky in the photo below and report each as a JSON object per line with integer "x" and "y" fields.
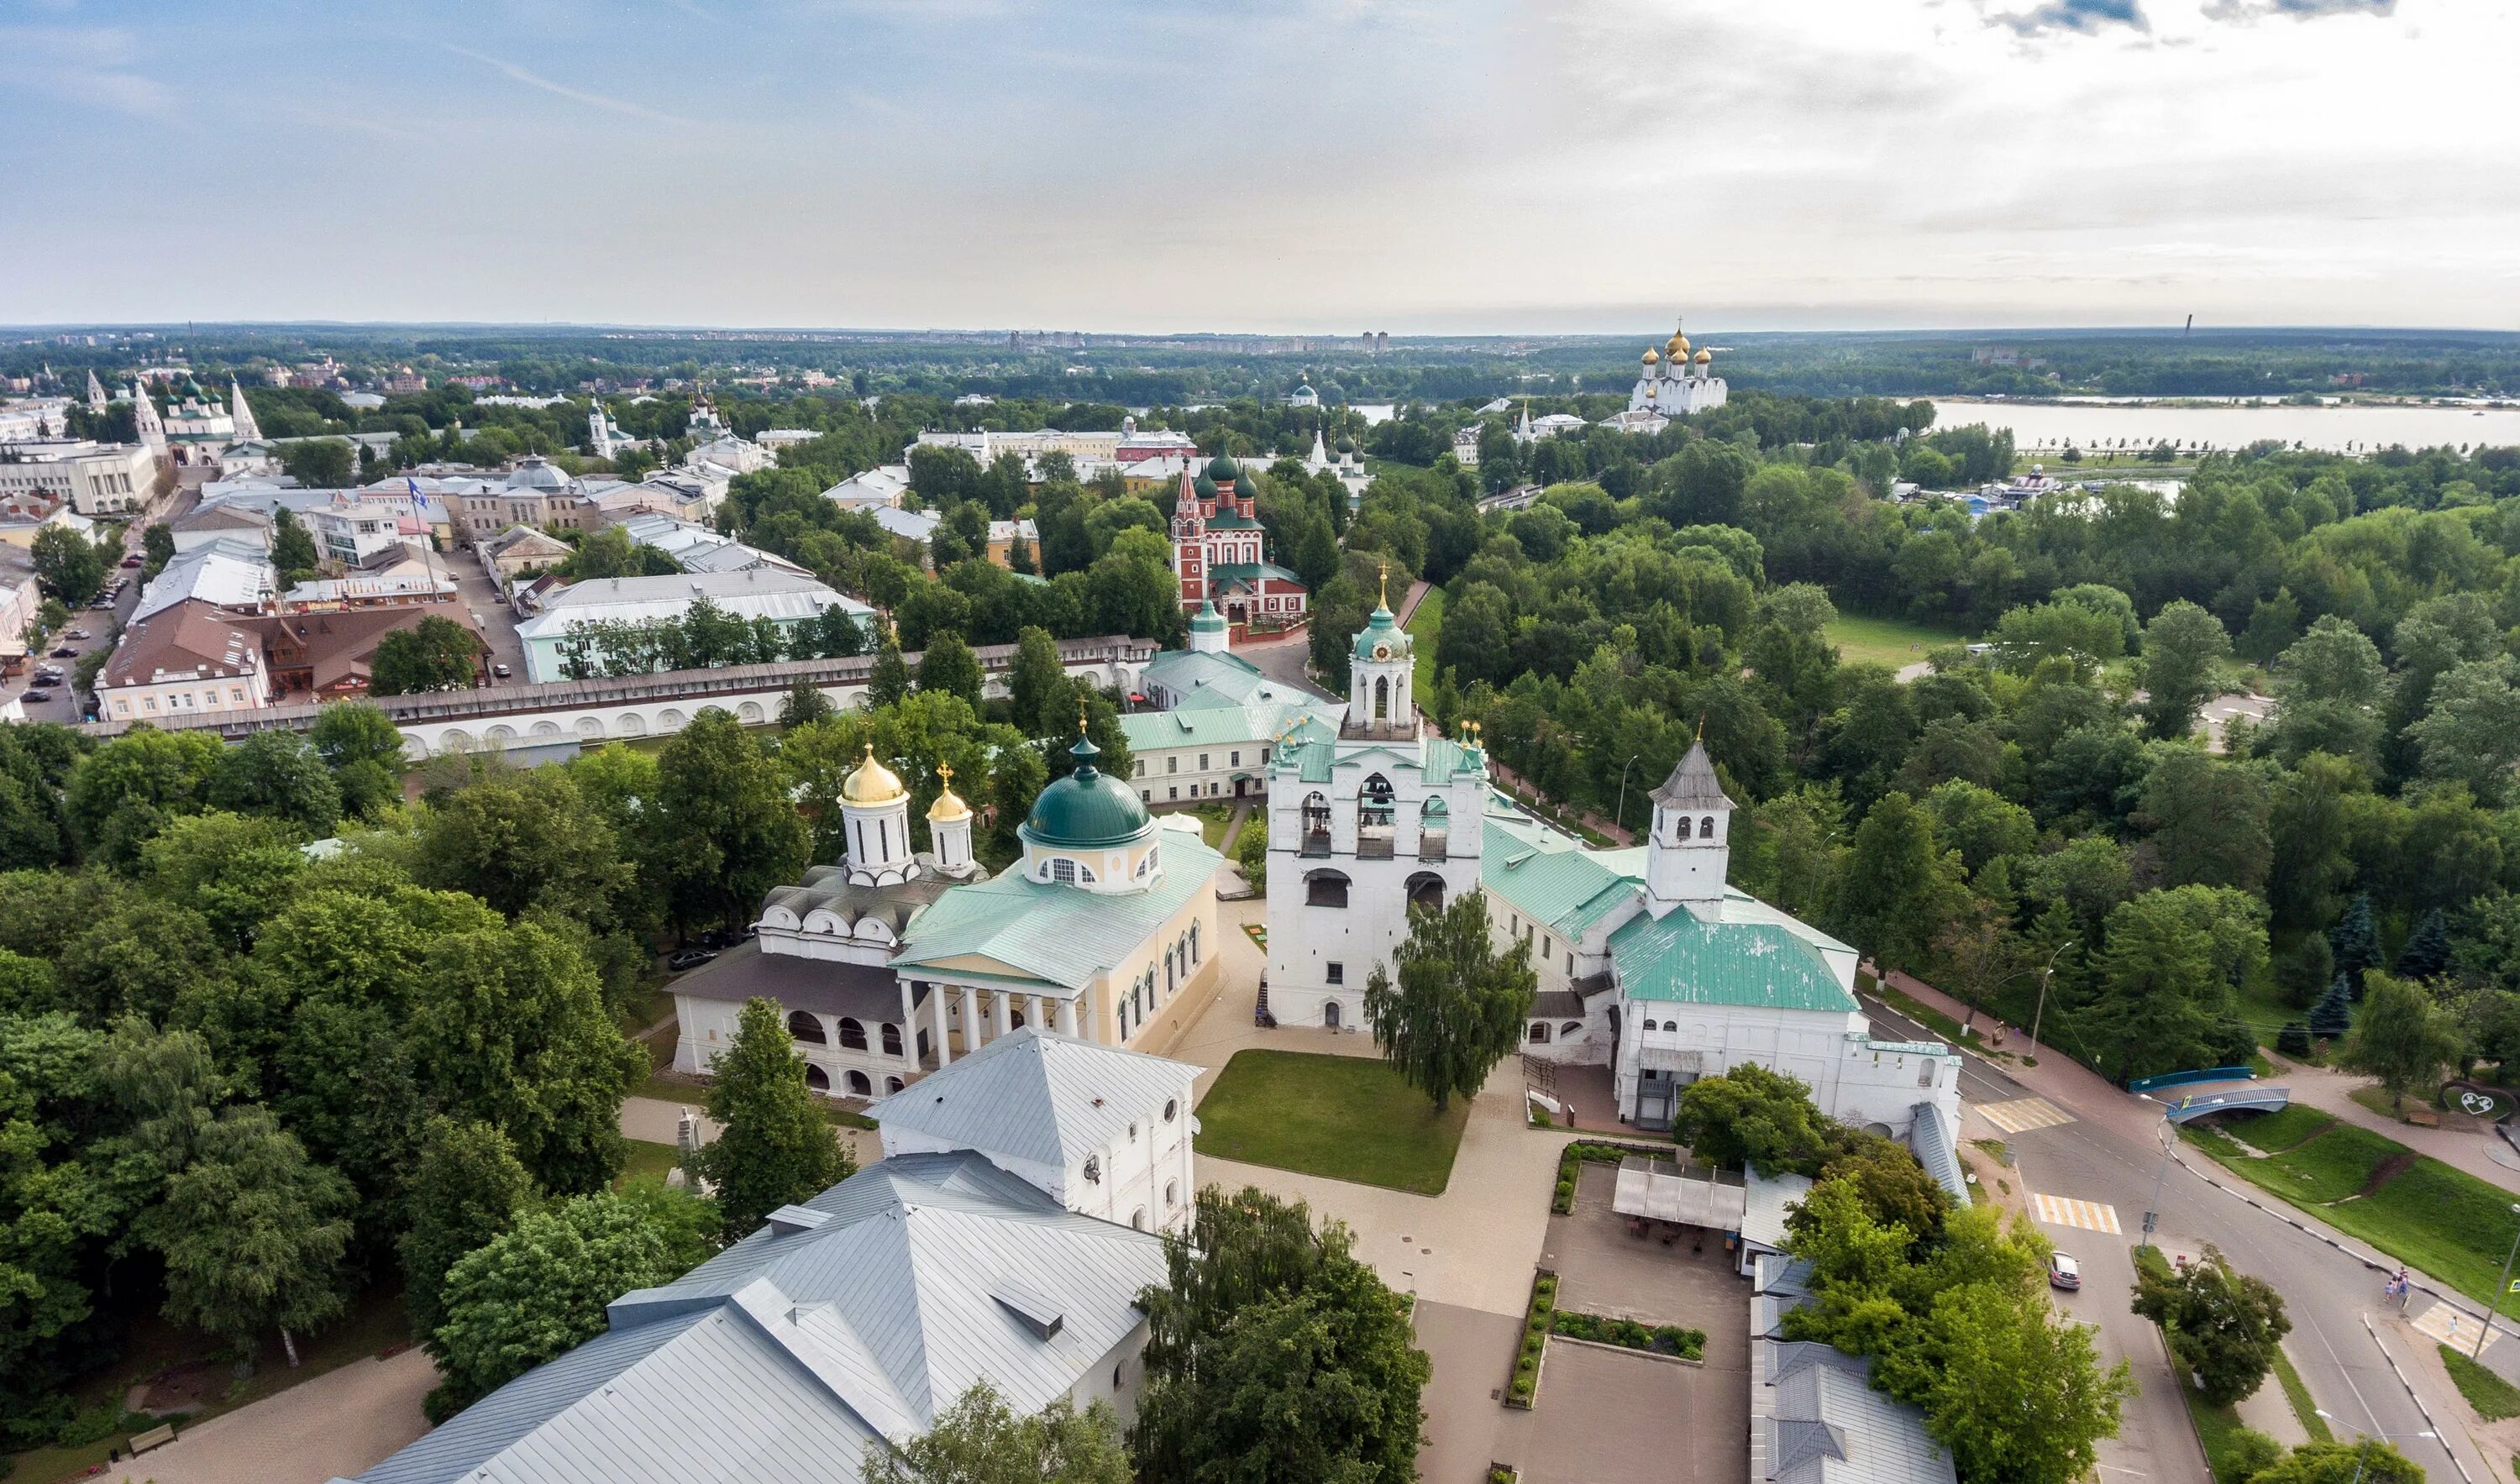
{"x": 1326, "y": 166}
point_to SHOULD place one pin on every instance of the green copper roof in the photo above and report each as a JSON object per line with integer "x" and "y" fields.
{"x": 1569, "y": 890}
{"x": 1684, "y": 961}
{"x": 1223, "y": 471}
{"x": 1249, "y": 572}
{"x": 1062, "y": 935}
{"x": 1207, "y": 620}
{"x": 1253, "y": 726}
{"x": 1087, "y": 809}
{"x": 1381, "y": 628}
{"x": 1228, "y": 521}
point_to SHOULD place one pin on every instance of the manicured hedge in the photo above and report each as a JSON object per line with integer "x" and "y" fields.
{"x": 1661, "y": 1339}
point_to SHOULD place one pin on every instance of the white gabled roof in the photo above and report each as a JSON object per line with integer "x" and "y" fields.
{"x": 224, "y": 573}
{"x": 1037, "y": 1097}
{"x": 752, "y": 593}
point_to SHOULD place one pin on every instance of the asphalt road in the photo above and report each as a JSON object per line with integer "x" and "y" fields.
{"x": 2327, "y": 1292}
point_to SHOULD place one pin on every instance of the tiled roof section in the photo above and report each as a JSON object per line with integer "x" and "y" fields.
{"x": 868, "y": 992}
{"x": 1056, "y": 934}
{"x": 189, "y": 641}
{"x": 1692, "y": 784}
{"x": 1046, "y": 1099}
{"x": 1678, "y": 957}
{"x": 792, "y": 1353}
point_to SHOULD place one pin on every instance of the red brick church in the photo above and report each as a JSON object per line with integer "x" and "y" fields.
{"x": 1217, "y": 549}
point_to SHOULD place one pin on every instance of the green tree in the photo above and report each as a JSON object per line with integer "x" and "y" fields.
{"x": 805, "y": 703}
{"x": 1043, "y": 696}
{"x": 127, "y": 790}
{"x": 777, "y": 1149}
{"x": 1897, "y": 890}
{"x": 2425, "y": 954}
{"x": 1273, "y": 1353}
{"x": 1251, "y": 850}
{"x": 234, "y": 871}
{"x": 948, "y": 665}
{"x": 1451, "y": 1006}
{"x": 466, "y": 1191}
{"x": 158, "y": 545}
{"x": 2226, "y": 1328}
{"x": 2364, "y": 1460}
{"x": 318, "y": 463}
{"x": 2355, "y": 942}
{"x": 510, "y": 1028}
{"x": 540, "y": 1288}
{"x": 981, "y": 1440}
{"x": 2016, "y": 1394}
{"x": 292, "y": 550}
{"x": 2329, "y": 687}
{"x": 723, "y": 804}
{"x": 253, "y": 1234}
{"x": 359, "y": 742}
{"x": 70, "y": 566}
{"x": 2308, "y": 833}
{"x": 2402, "y": 1038}
{"x": 1755, "y": 1116}
{"x": 2182, "y": 646}
{"x": 434, "y": 654}
{"x": 890, "y": 679}
{"x": 2159, "y": 996}
{"x": 54, "y": 1208}
{"x": 2472, "y": 732}
{"x": 1890, "y": 1183}
{"x": 2205, "y": 820}
{"x": 277, "y": 775}
{"x": 2333, "y": 1016}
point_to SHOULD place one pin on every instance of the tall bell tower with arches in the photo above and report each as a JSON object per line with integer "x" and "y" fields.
{"x": 1380, "y": 666}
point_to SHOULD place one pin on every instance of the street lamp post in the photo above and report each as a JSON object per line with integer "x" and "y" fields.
{"x": 2500, "y": 1288}
{"x": 2161, "y": 1177}
{"x": 2050, "y": 972}
{"x": 2362, "y": 1455}
{"x": 1621, "y": 817}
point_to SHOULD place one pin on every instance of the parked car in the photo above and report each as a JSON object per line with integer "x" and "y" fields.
{"x": 77, "y": 633}
{"x": 39, "y": 692}
{"x": 500, "y": 670}
{"x": 66, "y": 652}
{"x": 690, "y": 958}
{"x": 131, "y": 562}
{"x": 2063, "y": 1271}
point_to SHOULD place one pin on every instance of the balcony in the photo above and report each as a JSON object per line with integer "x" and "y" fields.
{"x": 1434, "y": 846}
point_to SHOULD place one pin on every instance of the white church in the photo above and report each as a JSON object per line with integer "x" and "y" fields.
{"x": 1649, "y": 964}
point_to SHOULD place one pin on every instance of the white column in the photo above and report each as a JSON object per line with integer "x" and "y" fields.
{"x": 1000, "y": 1006}
{"x": 971, "y": 1020}
{"x": 1067, "y": 1016}
{"x": 944, "y": 1032}
{"x": 1037, "y": 1013}
{"x": 908, "y": 1029}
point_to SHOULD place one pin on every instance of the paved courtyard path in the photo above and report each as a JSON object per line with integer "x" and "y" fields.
{"x": 335, "y": 1426}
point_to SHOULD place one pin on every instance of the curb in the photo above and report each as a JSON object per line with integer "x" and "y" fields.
{"x": 2412, "y": 1396}
{"x": 1556, "y": 1339}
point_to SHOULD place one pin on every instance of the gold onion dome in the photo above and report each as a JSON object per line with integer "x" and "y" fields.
{"x": 1676, "y": 348}
{"x": 949, "y": 805}
{"x": 1705, "y": 357}
{"x": 1651, "y": 358}
{"x": 872, "y": 783}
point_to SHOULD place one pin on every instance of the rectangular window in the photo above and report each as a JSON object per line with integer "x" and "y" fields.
{"x": 236, "y": 693}
{"x": 1172, "y": 794}
{"x": 1233, "y": 759}
{"x": 1139, "y": 767}
{"x": 1544, "y": 950}
{"x": 1172, "y": 765}
{"x": 1202, "y": 763}
{"x": 1336, "y": 972}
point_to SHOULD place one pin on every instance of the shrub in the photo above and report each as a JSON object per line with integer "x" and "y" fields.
{"x": 2293, "y": 1040}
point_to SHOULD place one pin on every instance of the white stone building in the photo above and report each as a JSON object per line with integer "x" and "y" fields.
{"x": 96, "y": 479}
{"x": 1221, "y": 721}
{"x": 1675, "y": 384}
{"x": 784, "y": 598}
{"x": 1361, "y": 829}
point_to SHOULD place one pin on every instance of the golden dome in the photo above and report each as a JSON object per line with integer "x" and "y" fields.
{"x": 872, "y": 783}
{"x": 1651, "y": 358}
{"x": 949, "y": 806}
{"x": 1676, "y": 348}
{"x": 1705, "y": 357}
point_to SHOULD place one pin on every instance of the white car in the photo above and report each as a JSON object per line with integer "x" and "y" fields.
{"x": 2063, "y": 1271}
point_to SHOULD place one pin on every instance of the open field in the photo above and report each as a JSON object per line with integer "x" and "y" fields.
{"x": 1346, "y": 1117}
{"x": 1893, "y": 642}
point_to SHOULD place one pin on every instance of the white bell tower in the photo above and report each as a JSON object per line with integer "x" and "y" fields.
{"x": 1692, "y": 837}
{"x": 949, "y": 828}
{"x": 874, "y": 818}
{"x": 1207, "y": 631}
{"x": 1379, "y": 669}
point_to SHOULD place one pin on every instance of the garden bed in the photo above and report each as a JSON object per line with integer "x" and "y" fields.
{"x": 1523, "y": 1389}
{"x": 1674, "y": 1341}
{"x": 1583, "y": 1152}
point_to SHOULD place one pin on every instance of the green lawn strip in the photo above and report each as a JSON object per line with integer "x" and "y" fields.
{"x": 2304, "y": 1409}
{"x": 2443, "y": 1221}
{"x": 2283, "y": 1129}
{"x": 1212, "y": 819}
{"x": 1935, "y": 1020}
{"x": 1346, "y": 1117}
{"x": 2492, "y": 1397}
{"x": 1426, "y": 629}
{"x": 1891, "y": 642}
{"x": 2219, "y": 1430}
{"x": 647, "y": 1161}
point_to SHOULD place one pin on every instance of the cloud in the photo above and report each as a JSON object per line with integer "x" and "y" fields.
{"x": 516, "y": 73}
{"x": 2298, "y": 10}
{"x": 2087, "y": 16}
{"x": 85, "y": 65}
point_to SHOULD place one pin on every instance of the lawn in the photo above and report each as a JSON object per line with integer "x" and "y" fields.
{"x": 1346, "y": 1117}
{"x": 1425, "y": 630}
{"x": 1893, "y": 642}
{"x": 2492, "y": 1397}
{"x": 1212, "y": 819}
{"x": 647, "y": 1161}
{"x": 2443, "y": 1221}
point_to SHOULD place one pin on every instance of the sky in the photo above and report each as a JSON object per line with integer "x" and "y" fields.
{"x": 1420, "y": 167}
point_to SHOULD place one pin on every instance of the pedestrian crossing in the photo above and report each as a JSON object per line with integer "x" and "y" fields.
{"x": 2022, "y": 1114}
{"x": 2065, "y": 1211}
{"x": 2451, "y": 1327}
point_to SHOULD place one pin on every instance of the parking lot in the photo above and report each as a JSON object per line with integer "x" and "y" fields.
{"x": 98, "y": 624}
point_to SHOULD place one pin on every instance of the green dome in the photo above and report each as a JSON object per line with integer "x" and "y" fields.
{"x": 1223, "y": 471}
{"x": 1204, "y": 487}
{"x": 1381, "y": 628}
{"x": 1207, "y": 620}
{"x": 1088, "y": 809}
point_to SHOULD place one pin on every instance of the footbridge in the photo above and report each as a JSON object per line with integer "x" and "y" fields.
{"x": 584, "y": 711}
{"x": 2255, "y": 1098}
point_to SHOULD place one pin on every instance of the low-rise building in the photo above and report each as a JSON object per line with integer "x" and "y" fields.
{"x": 96, "y": 479}
{"x": 1220, "y": 719}
{"x": 224, "y": 574}
{"x": 235, "y": 524}
{"x": 331, "y": 654}
{"x": 26, "y": 516}
{"x": 555, "y": 635}
{"x": 522, "y": 550}
{"x": 351, "y": 533}
{"x": 697, "y": 549}
{"x": 188, "y": 659}
{"x": 22, "y": 601}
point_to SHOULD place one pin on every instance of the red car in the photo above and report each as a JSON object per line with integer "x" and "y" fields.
{"x": 130, "y": 562}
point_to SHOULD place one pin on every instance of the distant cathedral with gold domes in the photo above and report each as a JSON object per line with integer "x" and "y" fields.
{"x": 1675, "y": 383}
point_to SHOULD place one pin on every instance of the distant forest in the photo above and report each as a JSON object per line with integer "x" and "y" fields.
{"x": 2209, "y": 363}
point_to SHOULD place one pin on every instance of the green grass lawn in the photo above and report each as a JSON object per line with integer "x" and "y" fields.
{"x": 1893, "y": 642}
{"x": 2443, "y": 1221}
{"x": 1212, "y": 819}
{"x": 1426, "y": 629}
{"x": 2304, "y": 1409}
{"x": 2492, "y": 1397}
{"x": 647, "y": 1161}
{"x": 1347, "y": 1117}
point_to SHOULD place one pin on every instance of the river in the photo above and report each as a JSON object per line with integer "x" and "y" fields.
{"x": 2340, "y": 429}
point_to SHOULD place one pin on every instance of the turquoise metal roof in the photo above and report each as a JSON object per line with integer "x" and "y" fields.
{"x": 1249, "y": 572}
{"x": 1567, "y": 890}
{"x": 1212, "y": 726}
{"x": 1086, "y": 809}
{"x": 1681, "y": 960}
{"x": 1064, "y": 935}
{"x": 1381, "y": 628}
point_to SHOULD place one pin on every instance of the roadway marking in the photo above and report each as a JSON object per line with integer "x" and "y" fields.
{"x": 2022, "y": 1114}
{"x": 2451, "y": 1327}
{"x": 2065, "y": 1211}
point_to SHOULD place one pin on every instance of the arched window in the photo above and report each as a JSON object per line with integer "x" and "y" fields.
{"x": 1381, "y": 698}
{"x": 1539, "y": 1032}
{"x": 891, "y": 1039}
{"x": 1326, "y": 888}
{"x": 1172, "y": 1108}
{"x": 852, "y": 1034}
{"x": 807, "y": 1027}
{"x": 1063, "y": 870}
{"x": 892, "y": 1084}
{"x": 1569, "y": 1028}
{"x": 1172, "y": 1194}
{"x": 1684, "y": 826}
{"x": 1706, "y": 828}
{"x": 1426, "y": 892}
{"x": 1138, "y": 1219}
{"x": 1169, "y": 979}
{"x": 1014, "y": 1019}
{"x": 817, "y": 1079}
{"x": 1193, "y": 942}
{"x": 859, "y": 1086}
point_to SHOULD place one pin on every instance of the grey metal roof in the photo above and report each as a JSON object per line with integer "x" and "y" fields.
{"x": 825, "y": 986}
{"x": 792, "y": 1353}
{"x": 1692, "y": 783}
{"x": 1936, "y": 1144}
{"x": 1763, "y": 1217}
{"x": 1038, "y": 1096}
{"x": 1829, "y": 1426}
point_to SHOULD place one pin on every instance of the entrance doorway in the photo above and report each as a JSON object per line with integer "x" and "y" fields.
{"x": 1330, "y": 1014}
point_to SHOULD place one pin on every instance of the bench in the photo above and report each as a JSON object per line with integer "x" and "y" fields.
{"x": 155, "y": 1437}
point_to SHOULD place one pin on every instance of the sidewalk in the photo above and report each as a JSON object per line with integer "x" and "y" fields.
{"x": 2480, "y": 1151}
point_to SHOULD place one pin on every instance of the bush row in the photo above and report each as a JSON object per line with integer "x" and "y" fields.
{"x": 1661, "y": 1339}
